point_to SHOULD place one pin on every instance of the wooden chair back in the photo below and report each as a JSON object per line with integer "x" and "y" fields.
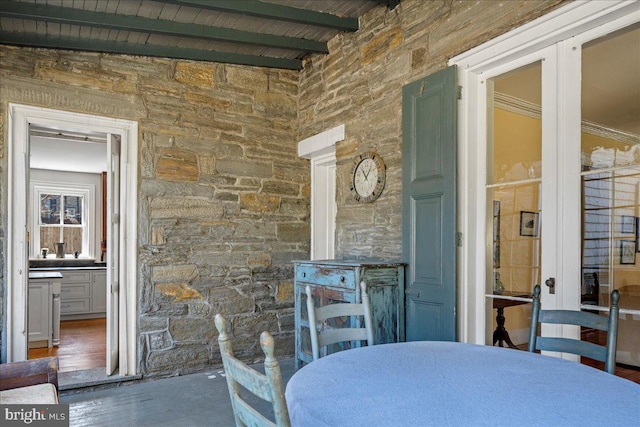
{"x": 267, "y": 386}
{"x": 28, "y": 373}
{"x": 606, "y": 353}
{"x": 322, "y": 337}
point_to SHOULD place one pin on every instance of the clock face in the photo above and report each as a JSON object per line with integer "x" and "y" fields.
{"x": 368, "y": 177}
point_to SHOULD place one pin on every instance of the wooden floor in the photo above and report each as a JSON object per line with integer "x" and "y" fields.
{"x": 631, "y": 373}
{"x": 83, "y": 345}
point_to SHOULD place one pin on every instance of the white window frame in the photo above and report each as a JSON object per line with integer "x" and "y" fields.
{"x": 321, "y": 150}
{"x": 87, "y": 192}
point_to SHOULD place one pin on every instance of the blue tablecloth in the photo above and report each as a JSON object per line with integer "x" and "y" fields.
{"x": 455, "y": 384}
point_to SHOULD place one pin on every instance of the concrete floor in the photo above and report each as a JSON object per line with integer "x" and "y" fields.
{"x": 200, "y": 399}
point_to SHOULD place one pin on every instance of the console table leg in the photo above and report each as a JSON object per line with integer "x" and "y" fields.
{"x": 501, "y": 335}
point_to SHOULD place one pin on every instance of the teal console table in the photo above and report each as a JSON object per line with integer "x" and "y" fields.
{"x": 334, "y": 281}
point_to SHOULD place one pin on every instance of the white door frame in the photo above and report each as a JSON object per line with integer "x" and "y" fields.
{"x": 321, "y": 150}
{"x": 20, "y": 118}
{"x": 560, "y": 24}
{"x": 114, "y": 235}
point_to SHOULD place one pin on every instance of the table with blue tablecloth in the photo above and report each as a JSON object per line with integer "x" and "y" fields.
{"x": 431, "y": 383}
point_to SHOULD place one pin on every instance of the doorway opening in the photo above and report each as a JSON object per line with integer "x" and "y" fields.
{"x": 76, "y": 221}
{"x": 67, "y": 217}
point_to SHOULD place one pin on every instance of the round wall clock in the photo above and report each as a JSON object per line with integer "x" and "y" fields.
{"x": 368, "y": 177}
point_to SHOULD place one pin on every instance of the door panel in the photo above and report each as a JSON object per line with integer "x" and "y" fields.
{"x": 428, "y": 233}
{"x": 430, "y": 315}
{"x": 113, "y": 251}
{"x": 429, "y": 205}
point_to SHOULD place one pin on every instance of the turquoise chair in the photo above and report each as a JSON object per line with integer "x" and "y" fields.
{"x": 323, "y": 336}
{"x": 606, "y": 354}
{"x": 267, "y": 386}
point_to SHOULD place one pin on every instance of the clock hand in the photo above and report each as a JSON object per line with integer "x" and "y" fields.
{"x": 366, "y": 175}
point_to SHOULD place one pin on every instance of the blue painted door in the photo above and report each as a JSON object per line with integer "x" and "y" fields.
{"x": 429, "y": 205}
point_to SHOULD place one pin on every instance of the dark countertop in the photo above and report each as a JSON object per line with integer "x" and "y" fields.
{"x": 65, "y": 263}
{"x": 95, "y": 267}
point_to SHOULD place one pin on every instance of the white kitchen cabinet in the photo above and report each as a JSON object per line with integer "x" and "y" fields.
{"x": 40, "y": 308}
{"x": 83, "y": 294}
{"x": 44, "y": 309}
{"x": 99, "y": 291}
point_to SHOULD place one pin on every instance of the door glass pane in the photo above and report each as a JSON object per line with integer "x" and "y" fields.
{"x": 515, "y": 128}
{"x": 611, "y": 100}
{"x": 516, "y": 245}
{"x": 610, "y": 155}
{"x": 514, "y": 158}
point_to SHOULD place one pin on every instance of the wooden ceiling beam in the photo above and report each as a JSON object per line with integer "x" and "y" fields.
{"x": 106, "y": 46}
{"x": 274, "y": 11}
{"x": 67, "y": 15}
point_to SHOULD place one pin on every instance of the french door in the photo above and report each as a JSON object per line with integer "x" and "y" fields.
{"x": 557, "y": 187}
{"x": 521, "y": 195}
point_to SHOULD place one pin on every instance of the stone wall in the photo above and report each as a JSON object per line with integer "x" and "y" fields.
{"x": 224, "y": 200}
{"x": 223, "y": 197}
{"x": 360, "y": 84}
